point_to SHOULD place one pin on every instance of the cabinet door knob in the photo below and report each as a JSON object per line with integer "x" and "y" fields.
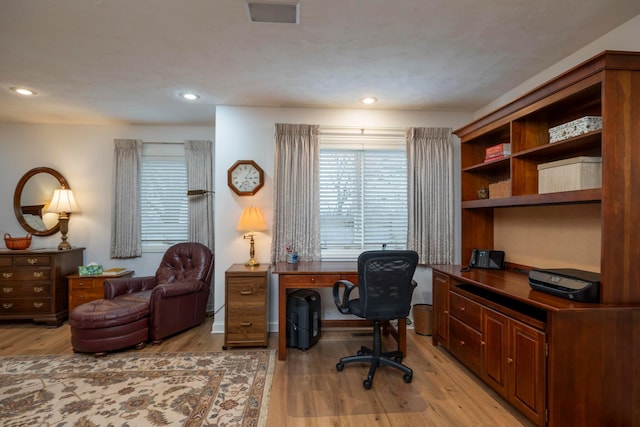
{"x": 245, "y": 324}
{"x": 461, "y": 342}
{"x": 463, "y": 309}
{"x": 509, "y": 360}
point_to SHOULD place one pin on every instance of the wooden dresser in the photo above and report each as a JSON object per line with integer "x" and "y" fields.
{"x": 34, "y": 285}
{"x": 246, "y": 302}
{"x": 84, "y": 289}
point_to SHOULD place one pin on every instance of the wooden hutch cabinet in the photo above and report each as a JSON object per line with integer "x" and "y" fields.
{"x": 34, "y": 284}
{"x": 558, "y": 361}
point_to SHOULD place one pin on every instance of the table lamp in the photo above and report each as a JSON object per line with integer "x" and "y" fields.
{"x": 250, "y": 221}
{"x": 63, "y": 203}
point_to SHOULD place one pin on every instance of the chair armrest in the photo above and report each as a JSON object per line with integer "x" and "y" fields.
{"x": 178, "y": 288}
{"x": 343, "y": 305}
{"x": 127, "y": 285}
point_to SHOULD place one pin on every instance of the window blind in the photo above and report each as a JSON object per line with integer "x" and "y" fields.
{"x": 163, "y": 195}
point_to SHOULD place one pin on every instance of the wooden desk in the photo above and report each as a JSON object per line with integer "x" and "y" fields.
{"x": 321, "y": 274}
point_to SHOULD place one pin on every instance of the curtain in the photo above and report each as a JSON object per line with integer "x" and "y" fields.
{"x": 198, "y": 155}
{"x": 430, "y": 194}
{"x": 125, "y": 218}
{"x": 296, "y": 204}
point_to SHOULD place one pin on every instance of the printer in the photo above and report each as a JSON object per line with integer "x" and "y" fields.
{"x": 577, "y": 285}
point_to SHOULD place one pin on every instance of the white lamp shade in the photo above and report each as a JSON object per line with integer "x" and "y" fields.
{"x": 251, "y": 220}
{"x": 63, "y": 201}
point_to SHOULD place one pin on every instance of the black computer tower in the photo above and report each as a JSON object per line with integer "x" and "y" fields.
{"x": 303, "y": 318}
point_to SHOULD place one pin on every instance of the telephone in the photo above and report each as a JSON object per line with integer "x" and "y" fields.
{"x": 483, "y": 258}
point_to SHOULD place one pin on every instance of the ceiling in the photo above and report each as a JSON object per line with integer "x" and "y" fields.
{"x": 125, "y": 61}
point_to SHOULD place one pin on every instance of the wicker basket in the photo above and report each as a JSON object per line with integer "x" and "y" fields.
{"x": 17, "y": 243}
{"x": 500, "y": 189}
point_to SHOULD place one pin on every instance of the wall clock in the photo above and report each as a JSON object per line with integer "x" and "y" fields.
{"x": 245, "y": 177}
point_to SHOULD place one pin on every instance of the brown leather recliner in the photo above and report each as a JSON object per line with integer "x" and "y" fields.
{"x": 177, "y": 295}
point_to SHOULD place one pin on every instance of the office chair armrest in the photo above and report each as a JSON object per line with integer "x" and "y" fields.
{"x": 343, "y": 305}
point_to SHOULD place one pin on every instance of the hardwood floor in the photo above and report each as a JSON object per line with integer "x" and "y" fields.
{"x": 307, "y": 390}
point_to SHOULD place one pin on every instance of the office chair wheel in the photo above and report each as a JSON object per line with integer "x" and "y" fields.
{"x": 398, "y": 359}
{"x": 367, "y": 384}
{"x": 407, "y": 378}
{"x": 339, "y": 366}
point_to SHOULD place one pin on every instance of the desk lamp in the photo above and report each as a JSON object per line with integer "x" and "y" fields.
{"x": 250, "y": 221}
{"x": 63, "y": 203}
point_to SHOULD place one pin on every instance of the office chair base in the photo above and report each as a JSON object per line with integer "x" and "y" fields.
{"x": 393, "y": 361}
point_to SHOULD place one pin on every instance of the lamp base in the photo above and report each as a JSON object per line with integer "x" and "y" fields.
{"x": 64, "y": 246}
{"x": 252, "y": 263}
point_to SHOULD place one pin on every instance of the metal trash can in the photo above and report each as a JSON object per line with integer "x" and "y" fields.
{"x": 422, "y": 319}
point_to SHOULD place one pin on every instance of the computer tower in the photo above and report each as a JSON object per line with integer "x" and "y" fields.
{"x": 303, "y": 318}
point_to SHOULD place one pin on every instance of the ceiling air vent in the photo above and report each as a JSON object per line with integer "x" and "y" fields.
{"x": 279, "y": 12}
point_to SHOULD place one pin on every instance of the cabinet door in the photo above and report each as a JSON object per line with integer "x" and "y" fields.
{"x": 527, "y": 370}
{"x": 440, "y": 309}
{"x": 495, "y": 350}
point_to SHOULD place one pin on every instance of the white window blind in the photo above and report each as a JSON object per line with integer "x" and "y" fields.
{"x": 363, "y": 194}
{"x": 163, "y": 196}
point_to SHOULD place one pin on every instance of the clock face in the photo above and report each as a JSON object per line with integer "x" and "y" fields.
{"x": 245, "y": 177}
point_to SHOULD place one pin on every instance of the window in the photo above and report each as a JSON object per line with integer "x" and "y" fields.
{"x": 363, "y": 194}
{"x": 163, "y": 196}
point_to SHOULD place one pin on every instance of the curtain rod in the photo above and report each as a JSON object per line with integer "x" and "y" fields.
{"x": 361, "y": 130}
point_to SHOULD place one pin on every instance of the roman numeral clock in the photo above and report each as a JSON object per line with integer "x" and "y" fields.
{"x": 245, "y": 177}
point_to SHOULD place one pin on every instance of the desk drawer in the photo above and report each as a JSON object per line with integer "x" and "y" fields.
{"x": 465, "y": 343}
{"x": 465, "y": 310}
{"x": 309, "y": 280}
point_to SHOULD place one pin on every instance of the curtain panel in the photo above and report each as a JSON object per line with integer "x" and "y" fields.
{"x": 198, "y": 156}
{"x": 125, "y": 218}
{"x": 296, "y": 204}
{"x": 430, "y": 194}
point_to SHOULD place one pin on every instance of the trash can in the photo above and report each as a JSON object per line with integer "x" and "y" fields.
{"x": 422, "y": 319}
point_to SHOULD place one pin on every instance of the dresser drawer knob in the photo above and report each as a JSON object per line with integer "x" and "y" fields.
{"x": 7, "y": 290}
{"x": 246, "y": 291}
{"x": 245, "y": 324}
{"x": 7, "y": 305}
{"x": 7, "y": 275}
{"x": 32, "y": 261}
{"x": 38, "y": 304}
{"x": 38, "y": 289}
{"x": 38, "y": 274}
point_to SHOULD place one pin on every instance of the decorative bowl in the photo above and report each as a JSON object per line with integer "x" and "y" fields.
{"x": 17, "y": 243}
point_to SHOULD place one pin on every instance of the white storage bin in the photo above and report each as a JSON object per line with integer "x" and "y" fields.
{"x": 574, "y": 128}
{"x": 578, "y": 173}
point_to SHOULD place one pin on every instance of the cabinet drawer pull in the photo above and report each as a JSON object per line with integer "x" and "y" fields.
{"x": 7, "y": 290}
{"x": 463, "y": 309}
{"x": 461, "y": 342}
{"x": 245, "y": 324}
{"x": 246, "y": 291}
{"x": 38, "y": 304}
{"x": 446, "y": 312}
{"x": 7, "y": 305}
{"x": 32, "y": 261}
{"x": 38, "y": 274}
{"x": 7, "y": 275}
{"x": 509, "y": 360}
{"x": 38, "y": 289}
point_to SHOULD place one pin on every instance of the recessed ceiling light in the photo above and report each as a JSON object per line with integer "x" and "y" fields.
{"x": 274, "y": 11}
{"x": 368, "y": 100}
{"x": 23, "y": 91}
{"x": 189, "y": 96}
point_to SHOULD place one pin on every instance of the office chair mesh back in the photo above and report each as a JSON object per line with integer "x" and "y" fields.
{"x": 385, "y": 283}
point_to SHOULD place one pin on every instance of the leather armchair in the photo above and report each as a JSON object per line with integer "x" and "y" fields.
{"x": 177, "y": 295}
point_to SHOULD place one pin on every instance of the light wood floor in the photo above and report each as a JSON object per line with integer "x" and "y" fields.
{"x": 307, "y": 390}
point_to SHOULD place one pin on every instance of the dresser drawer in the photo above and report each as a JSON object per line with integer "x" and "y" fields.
{"x": 6, "y": 261}
{"x": 17, "y": 274}
{"x": 25, "y": 306}
{"x": 86, "y": 283}
{"x": 16, "y": 289}
{"x": 32, "y": 260}
{"x": 84, "y": 295}
{"x": 465, "y": 310}
{"x": 309, "y": 280}
{"x": 465, "y": 343}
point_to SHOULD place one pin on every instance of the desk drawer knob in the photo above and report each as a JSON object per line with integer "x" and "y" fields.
{"x": 245, "y": 324}
{"x": 313, "y": 280}
{"x": 246, "y": 291}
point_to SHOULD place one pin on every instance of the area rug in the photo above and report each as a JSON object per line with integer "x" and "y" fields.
{"x": 140, "y": 389}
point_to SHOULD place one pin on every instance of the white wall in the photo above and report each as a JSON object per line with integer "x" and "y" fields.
{"x": 248, "y": 133}
{"x": 83, "y": 155}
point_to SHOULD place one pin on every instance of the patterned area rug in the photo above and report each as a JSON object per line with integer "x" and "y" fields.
{"x": 142, "y": 389}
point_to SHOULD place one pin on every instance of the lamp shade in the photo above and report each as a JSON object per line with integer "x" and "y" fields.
{"x": 251, "y": 220}
{"x": 63, "y": 201}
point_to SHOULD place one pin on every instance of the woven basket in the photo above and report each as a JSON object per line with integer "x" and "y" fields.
{"x": 17, "y": 243}
{"x": 500, "y": 189}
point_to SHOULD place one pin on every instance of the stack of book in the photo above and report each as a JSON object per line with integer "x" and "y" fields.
{"x": 496, "y": 152}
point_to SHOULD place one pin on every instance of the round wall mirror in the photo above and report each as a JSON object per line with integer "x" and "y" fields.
{"x": 33, "y": 193}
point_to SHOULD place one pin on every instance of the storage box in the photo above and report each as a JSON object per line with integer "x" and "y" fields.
{"x": 89, "y": 270}
{"x": 577, "y": 173}
{"x": 574, "y": 128}
{"x": 500, "y": 189}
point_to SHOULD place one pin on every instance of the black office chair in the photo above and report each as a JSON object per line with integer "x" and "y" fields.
{"x": 385, "y": 287}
